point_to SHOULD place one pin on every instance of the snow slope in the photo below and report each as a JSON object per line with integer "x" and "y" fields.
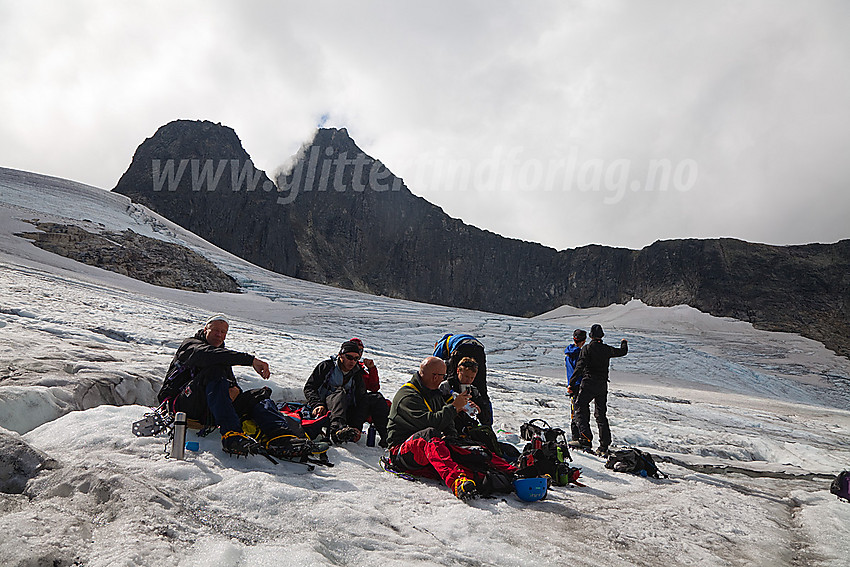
{"x": 752, "y": 424}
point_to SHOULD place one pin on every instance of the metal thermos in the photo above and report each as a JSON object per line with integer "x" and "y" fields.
{"x": 370, "y": 436}
{"x": 178, "y": 444}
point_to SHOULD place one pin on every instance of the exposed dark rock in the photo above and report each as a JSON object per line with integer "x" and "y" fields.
{"x": 19, "y": 462}
{"x": 342, "y": 218}
{"x": 147, "y": 259}
{"x": 236, "y": 210}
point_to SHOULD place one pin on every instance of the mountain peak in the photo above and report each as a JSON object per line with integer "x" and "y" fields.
{"x": 340, "y": 217}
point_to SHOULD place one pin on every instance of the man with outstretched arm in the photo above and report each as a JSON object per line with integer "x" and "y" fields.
{"x": 210, "y": 363}
{"x": 592, "y": 372}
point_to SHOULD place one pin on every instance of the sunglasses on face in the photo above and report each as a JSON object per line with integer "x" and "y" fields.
{"x": 352, "y": 357}
{"x": 472, "y": 365}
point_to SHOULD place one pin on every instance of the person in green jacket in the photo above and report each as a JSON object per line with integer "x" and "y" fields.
{"x": 421, "y": 430}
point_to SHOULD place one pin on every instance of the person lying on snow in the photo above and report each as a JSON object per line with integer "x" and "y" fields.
{"x": 336, "y": 387}
{"x": 424, "y": 442}
{"x": 209, "y": 363}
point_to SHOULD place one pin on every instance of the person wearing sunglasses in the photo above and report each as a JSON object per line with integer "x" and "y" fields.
{"x": 336, "y": 387}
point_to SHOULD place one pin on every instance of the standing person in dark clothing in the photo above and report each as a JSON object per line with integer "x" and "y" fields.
{"x": 210, "y": 363}
{"x": 570, "y": 359}
{"x": 592, "y": 369}
{"x": 453, "y": 348}
{"x": 336, "y": 387}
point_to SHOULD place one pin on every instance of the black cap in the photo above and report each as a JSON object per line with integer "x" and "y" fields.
{"x": 596, "y": 332}
{"x": 349, "y": 346}
{"x": 580, "y": 335}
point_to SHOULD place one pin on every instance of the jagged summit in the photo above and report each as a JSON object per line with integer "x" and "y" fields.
{"x": 197, "y": 174}
{"x": 339, "y": 216}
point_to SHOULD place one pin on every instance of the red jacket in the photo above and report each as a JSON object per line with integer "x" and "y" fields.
{"x": 370, "y": 378}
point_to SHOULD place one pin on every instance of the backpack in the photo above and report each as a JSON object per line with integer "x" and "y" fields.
{"x": 180, "y": 391}
{"x": 477, "y": 459}
{"x": 841, "y": 486}
{"x": 633, "y": 461}
{"x": 175, "y": 383}
{"x": 301, "y": 420}
{"x": 546, "y": 453}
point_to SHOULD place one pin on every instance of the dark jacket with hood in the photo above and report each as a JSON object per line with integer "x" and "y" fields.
{"x": 415, "y": 408}
{"x": 316, "y": 388}
{"x": 197, "y": 354}
{"x": 593, "y": 361}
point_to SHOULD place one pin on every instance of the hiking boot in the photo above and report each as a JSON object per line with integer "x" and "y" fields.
{"x": 602, "y": 451}
{"x": 318, "y": 447}
{"x": 345, "y": 435}
{"x": 464, "y": 488}
{"x": 580, "y": 445}
{"x": 239, "y": 444}
{"x": 286, "y": 446}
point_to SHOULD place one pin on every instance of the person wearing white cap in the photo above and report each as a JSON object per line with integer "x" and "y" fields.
{"x": 209, "y": 363}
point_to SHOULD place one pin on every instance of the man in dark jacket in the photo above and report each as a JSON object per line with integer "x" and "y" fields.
{"x": 592, "y": 372}
{"x": 210, "y": 363}
{"x": 336, "y": 387}
{"x": 422, "y": 427}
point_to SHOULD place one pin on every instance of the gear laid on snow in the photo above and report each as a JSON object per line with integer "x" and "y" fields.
{"x": 633, "y": 461}
{"x": 346, "y": 435}
{"x": 546, "y": 453}
{"x": 239, "y": 444}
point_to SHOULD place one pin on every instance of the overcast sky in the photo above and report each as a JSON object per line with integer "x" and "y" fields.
{"x": 565, "y": 123}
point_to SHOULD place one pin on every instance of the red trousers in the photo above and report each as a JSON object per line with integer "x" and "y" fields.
{"x": 431, "y": 457}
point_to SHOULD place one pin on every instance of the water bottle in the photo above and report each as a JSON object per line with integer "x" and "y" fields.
{"x": 370, "y": 436}
{"x": 562, "y": 468}
{"x": 178, "y": 444}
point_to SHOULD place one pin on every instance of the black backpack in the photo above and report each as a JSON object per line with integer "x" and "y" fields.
{"x": 175, "y": 383}
{"x": 180, "y": 391}
{"x": 633, "y": 461}
{"x": 546, "y": 453}
{"x": 841, "y": 486}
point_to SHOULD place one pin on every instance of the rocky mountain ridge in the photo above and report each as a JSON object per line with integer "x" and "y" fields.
{"x": 341, "y": 217}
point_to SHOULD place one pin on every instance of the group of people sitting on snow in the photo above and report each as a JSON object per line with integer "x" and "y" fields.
{"x": 438, "y": 425}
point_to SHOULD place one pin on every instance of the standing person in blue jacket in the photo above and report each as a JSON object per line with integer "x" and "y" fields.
{"x": 570, "y": 359}
{"x": 453, "y": 348}
{"x": 592, "y": 367}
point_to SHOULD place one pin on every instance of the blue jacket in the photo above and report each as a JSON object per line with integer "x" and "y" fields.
{"x": 449, "y": 342}
{"x": 570, "y": 358}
